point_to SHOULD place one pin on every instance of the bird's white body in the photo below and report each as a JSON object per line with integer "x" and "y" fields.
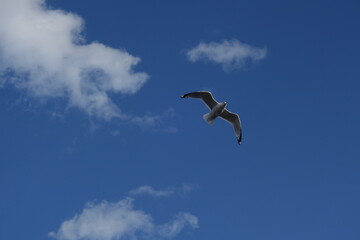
{"x": 215, "y": 112}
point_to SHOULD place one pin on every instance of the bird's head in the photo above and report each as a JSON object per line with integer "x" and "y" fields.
{"x": 224, "y": 103}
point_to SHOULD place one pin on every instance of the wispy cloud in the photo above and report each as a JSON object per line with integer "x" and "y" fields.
{"x": 117, "y": 221}
{"x": 44, "y": 52}
{"x": 186, "y": 188}
{"x": 160, "y": 122}
{"x": 148, "y": 190}
{"x": 182, "y": 190}
{"x": 230, "y": 54}
{"x": 171, "y": 229}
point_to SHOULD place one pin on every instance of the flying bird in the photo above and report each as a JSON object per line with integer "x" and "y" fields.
{"x": 217, "y": 110}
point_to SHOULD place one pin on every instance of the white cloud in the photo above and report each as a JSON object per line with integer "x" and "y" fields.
{"x": 117, "y": 221}
{"x": 42, "y": 51}
{"x": 148, "y": 190}
{"x": 230, "y": 54}
{"x": 170, "y": 230}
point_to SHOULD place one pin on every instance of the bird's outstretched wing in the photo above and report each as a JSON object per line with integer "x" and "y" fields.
{"x": 206, "y": 97}
{"x": 234, "y": 120}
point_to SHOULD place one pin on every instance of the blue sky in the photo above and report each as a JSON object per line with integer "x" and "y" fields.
{"x": 96, "y": 143}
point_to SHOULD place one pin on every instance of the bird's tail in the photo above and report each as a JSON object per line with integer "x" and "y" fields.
{"x": 209, "y": 119}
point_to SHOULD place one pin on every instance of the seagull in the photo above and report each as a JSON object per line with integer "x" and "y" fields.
{"x": 217, "y": 110}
